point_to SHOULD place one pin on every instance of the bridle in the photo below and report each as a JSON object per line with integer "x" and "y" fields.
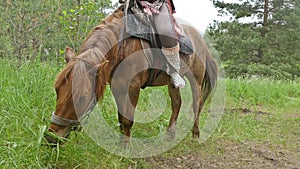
{"x": 69, "y": 122}
{"x": 75, "y": 123}
{"x": 63, "y": 121}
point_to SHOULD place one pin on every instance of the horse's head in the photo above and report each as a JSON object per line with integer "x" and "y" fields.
{"x": 76, "y": 88}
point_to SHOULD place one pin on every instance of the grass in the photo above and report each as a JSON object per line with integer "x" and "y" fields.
{"x": 267, "y": 93}
{"x": 27, "y": 99}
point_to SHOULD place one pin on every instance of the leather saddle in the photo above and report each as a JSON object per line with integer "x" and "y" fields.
{"x": 138, "y": 25}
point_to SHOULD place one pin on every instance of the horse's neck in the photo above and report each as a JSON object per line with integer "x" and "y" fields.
{"x": 104, "y": 37}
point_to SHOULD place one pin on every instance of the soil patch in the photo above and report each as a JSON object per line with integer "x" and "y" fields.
{"x": 245, "y": 111}
{"x": 231, "y": 155}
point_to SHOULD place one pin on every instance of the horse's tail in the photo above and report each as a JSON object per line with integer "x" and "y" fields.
{"x": 210, "y": 78}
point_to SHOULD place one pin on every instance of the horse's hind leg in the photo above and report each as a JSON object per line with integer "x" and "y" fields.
{"x": 196, "y": 86}
{"x": 197, "y": 107}
{"x": 175, "y": 103}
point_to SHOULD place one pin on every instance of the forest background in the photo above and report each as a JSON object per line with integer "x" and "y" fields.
{"x": 267, "y": 45}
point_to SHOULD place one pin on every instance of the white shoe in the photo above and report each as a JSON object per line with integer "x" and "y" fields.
{"x": 178, "y": 81}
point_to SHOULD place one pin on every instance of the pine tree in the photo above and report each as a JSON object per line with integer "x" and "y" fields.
{"x": 265, "y": 45}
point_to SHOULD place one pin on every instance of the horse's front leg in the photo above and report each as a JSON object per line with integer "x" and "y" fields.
{"x": 176, "y": 104}
{"x": 126, "y": 102}
{"x": 126, "y": 124}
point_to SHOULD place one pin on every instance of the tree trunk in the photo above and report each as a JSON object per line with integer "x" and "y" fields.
{"x": 265, "y": 19}
{"x": 264, "y": 27}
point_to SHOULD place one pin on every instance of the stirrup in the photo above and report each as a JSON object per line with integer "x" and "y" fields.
{"x": 178, "y": 81}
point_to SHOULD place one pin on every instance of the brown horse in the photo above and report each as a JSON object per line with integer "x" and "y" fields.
{"x": 104, "y": 59}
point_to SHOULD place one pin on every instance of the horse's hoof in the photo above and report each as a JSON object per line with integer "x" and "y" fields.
{"x": 196, "y": 136}
{"x": 170, "y": 135}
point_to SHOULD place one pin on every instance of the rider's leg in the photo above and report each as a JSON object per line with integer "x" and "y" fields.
{"x": 165, "y": 27}
{"x": 172, "y": 57}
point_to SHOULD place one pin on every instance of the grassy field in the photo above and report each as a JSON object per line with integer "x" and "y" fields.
{"x": 260, "y": 127}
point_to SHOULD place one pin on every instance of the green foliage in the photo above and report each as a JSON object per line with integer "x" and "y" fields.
{"x": 77, "y": 22}
{"x": 40, "y": 30}
{"x": 267, "y": 45}
{"x": 280, "y": 95}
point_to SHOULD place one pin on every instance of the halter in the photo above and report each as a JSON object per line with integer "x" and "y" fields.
{"x": 63, "y": 121}
{"x": 69, "y": 122}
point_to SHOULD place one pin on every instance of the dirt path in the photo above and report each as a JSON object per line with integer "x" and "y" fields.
{"x": 242, "y": 155}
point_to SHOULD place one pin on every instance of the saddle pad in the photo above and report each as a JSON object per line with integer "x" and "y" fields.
{"x": 139, "y": 26}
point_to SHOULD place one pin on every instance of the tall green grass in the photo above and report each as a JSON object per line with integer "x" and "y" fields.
{"x": 268, "y": 94}
{"x": 27, "y": 98}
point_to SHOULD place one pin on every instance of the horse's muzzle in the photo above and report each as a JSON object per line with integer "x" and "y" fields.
{"x": 51, "y": 140}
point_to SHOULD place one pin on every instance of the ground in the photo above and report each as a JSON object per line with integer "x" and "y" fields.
{"x": 239, "y": 154}
{"x": 235, "y": 155}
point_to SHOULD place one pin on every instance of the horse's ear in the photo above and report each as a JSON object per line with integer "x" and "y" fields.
{"x": 69, "y": 54}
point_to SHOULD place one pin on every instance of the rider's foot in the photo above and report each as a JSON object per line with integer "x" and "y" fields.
{"x": 178, "y": 81}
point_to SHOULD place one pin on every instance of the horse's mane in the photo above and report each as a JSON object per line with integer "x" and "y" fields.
{"x": 96, "y": 48}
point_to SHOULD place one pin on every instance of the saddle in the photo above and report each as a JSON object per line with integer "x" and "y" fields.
{"x": 139, "y": 25}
